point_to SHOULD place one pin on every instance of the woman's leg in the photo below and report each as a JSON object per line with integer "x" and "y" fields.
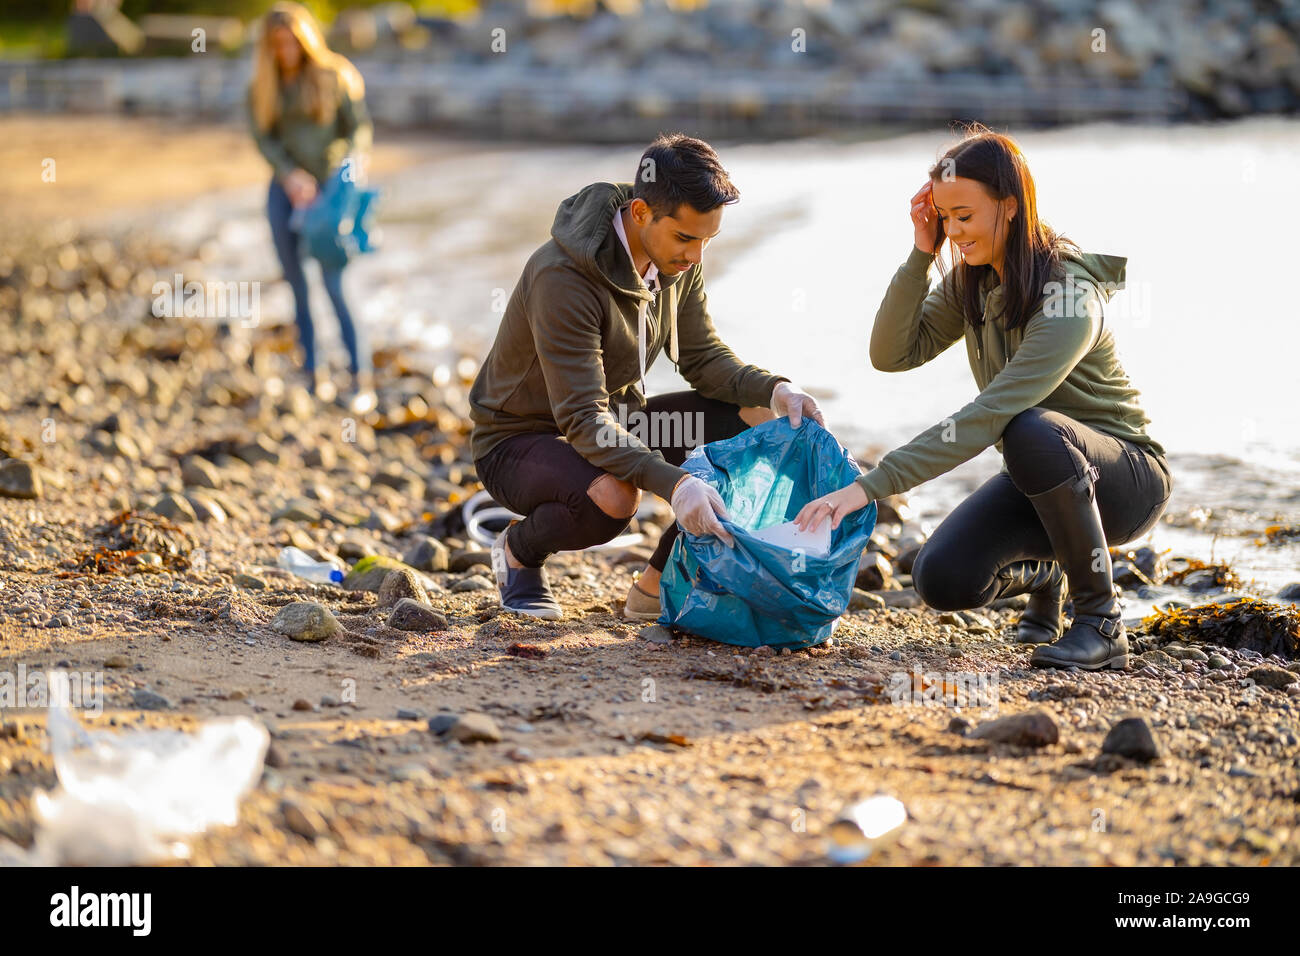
{"x": 1087, "y": 490}
{"x": 278, "y": 210}
{"x": 1090, "y": 490}
{"x": 1043, "y": 448}
{"x": 995, "y": 543}
{"x": 353, "y": 341}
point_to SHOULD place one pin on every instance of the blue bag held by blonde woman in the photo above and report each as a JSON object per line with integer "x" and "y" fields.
{"x": 777, "y": 586}
{"x": 337, "y": 226}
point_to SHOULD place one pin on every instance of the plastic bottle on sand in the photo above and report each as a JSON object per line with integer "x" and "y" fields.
{"x": 298, "y": 562}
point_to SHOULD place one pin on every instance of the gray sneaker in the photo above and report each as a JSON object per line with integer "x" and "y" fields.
{"x": 523, "y": 590}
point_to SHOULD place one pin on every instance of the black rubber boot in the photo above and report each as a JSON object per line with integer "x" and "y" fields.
{"x": 1096, "y": 640}
{"x": 1041, "y": 622}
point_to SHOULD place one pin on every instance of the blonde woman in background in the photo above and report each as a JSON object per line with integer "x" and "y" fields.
{"x": 307, "y": 112}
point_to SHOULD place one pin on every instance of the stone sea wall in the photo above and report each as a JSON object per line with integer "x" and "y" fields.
{"x": 753, "y": 68}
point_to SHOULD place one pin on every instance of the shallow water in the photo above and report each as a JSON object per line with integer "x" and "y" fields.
{"x": 1205, "y": 329}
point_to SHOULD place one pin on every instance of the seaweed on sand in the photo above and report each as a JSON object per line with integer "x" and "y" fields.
{"x": 127, "y": 535}
{"x": 1250, "y": 623}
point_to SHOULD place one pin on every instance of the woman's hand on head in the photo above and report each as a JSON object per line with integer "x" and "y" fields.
{"x": 835, "y": 506}
{"x": 926, "y": 227}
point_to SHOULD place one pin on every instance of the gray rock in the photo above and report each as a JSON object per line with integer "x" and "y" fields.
{"x": 441, "y": 723}
{"x": 905, "y": 598}
{"x": 198, "y": 472}
{"x": 907, "y": 558}
{"x": 298, "y": 510}
{"x": 1128, "y": 576}
{"x": 475, "y": 728}
{"x": 469, "y": 558}
{"x": 1290, "y": 593}
{"x": 656, "y": 634}
{"x": 146, "y": 699}
{"x": 1202, "y": 580}
{"x": 428, "y": 554}
{"x": 404, "y": 713}
{"x": 381, "y": 520}
{"x": 306, "y": 621}
{"x": 303, "y": 820}
{"x": 874, "y": 571}
{"x": 474, "y": 582}
{"x": 1274, "y": 677}
{"x": 322, "y": 456}
{"x": 369, "y": 573}
{"x": 174, "y": 508}
{"x": 1034, "y": 728}
{"x": 1132, "y": 738}
{"x": 862, "y": 600}
{"x": 260, "y": 449}
{"x": 411, "y": 615}
{"x": 1157, "y": 658}
{"x": 206, "y": 508}
{"x": 399, "y": 584}
{"x": 249, "y": 582}
{"x": 19, "y": 479}
{"x": 1218, "y": 661}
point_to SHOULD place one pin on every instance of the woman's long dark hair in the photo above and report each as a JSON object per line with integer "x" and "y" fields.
{"x": 1032, "y": 255}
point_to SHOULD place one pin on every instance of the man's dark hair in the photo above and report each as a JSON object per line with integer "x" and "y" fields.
{"x": 678, "y": 169}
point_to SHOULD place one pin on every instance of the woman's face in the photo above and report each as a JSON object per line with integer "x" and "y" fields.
{"x": 285, "y": 47}
{"x": 974, "y": 220}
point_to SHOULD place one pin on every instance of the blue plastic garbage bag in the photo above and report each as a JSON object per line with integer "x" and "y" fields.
{"x": 760, "y": 592}
{"x": 337, "y": 226}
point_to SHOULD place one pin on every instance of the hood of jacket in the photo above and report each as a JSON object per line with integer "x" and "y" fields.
{"x": 584, "y": 229}
{"x": 1105, "y": 272}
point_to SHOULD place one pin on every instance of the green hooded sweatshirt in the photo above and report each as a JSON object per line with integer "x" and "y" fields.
{"x": 1063, "y": 359}
{"x": 567, "y": 349}
{"x": 296, "y": 140}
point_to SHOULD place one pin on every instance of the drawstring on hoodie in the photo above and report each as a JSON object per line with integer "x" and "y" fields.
{"x": 640, "y": 335}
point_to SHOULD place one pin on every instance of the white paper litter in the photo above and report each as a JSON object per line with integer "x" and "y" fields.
{"x": 787, "y": 535}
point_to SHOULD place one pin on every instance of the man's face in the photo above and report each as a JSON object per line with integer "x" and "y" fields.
{"x": 675, "y": 243}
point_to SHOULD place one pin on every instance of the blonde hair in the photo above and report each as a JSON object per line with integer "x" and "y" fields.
{"x": 327, "y": 75}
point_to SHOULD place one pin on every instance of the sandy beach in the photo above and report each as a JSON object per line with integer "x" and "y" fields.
{"x": 153, "y": 468}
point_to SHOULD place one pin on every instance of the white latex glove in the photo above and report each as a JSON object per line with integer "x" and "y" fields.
{"x": 792, "y": 401}
{"x": 697, "y": 506}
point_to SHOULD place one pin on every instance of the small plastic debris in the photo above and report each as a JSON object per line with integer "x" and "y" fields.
{"x": 864, "y": 826}
{"x": 135, "y": 797}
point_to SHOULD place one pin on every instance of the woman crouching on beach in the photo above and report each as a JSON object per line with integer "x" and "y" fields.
{"x": 308, "y": 114}
{"x": 1079, "y": 471}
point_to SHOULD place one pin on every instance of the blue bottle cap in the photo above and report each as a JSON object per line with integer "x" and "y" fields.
{"x": 336, "y": 575}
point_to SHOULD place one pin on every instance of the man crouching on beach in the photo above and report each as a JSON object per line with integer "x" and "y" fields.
{"x": 618, "y": 284}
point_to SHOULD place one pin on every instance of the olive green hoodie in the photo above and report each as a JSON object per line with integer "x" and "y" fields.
{"x": 567, "y": 349}
{"x": 1063, "y": 359}
{"x": 296, "y": 140}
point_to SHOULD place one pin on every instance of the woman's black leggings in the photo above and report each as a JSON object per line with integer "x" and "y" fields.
{"x": 997, "y": 525}
{"x": 543, "y": 478}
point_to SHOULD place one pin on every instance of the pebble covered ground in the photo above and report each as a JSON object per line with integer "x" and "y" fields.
{"x": 151, "y": 470}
